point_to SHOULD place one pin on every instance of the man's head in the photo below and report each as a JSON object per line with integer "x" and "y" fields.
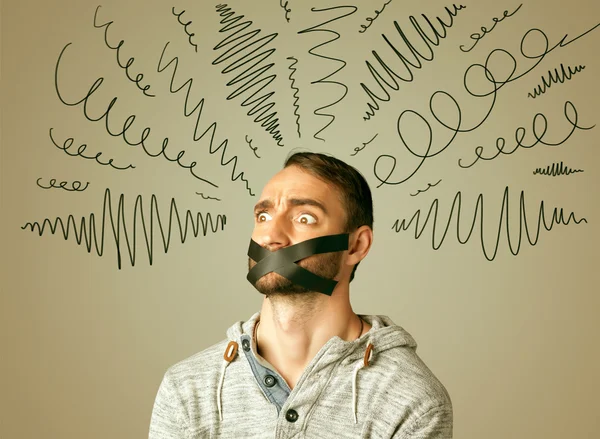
{"x": 314, "y": 195}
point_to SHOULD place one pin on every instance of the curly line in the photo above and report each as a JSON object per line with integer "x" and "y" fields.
{"x": 297, "y": 90}
{"x": 206, "y": 197}
{"x": 429, "y": 185}
{"x": 558, "y": 77}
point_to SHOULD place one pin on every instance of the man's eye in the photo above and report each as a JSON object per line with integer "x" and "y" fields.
{"x": 262, "y": 217}
{"x": 306, "y": 219}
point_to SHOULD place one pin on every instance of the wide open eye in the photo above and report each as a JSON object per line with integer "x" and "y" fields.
{"x": 261, "y": 217}
{"x": 306, "y": 218}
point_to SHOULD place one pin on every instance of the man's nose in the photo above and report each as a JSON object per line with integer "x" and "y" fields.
{"x": 273, "y": 234}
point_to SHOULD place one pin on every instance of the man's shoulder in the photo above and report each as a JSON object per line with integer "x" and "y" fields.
{"x": 207, "y": 361}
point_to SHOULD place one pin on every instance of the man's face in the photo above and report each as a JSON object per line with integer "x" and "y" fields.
{"x": 295, "y": 206}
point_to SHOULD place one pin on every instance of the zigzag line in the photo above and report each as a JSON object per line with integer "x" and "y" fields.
{"x": 297, "y": 90}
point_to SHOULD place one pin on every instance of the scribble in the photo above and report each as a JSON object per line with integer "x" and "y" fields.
{"x": 284, "y": 5}
{"x": 199, "y": 107}
{"x": 251, "y": 75}
{"x": 485, "y": 31}
{"x": 75, "y": 185}
{"x": 558, "y": 77}
{"x": 312, "y": 51}
{"x": 520, "y": 135}
{"x": 357, "y": 149}
{"x": 555, "y": 170}
{"x": 441, "y": 102}
{"x": 81, "y": 149}
{"x": 429, "y": 185}
{"x": 117, "y": 48}
{"x": 296, "y": 91}
{"x": 87, "y": 231}
{"x": 392, "y": 83}
{"x": 253, "y": 148}
{"x": 558, "y": 217}
{"x": 206, "y": 197}
{"x": 372, "y": 19}
{"x": 185, "y": 25}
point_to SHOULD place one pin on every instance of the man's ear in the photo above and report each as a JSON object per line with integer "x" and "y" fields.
{"x": 359, "y": 245}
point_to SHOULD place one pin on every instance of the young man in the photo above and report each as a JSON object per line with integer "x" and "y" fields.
{"x": 307, "y": 366}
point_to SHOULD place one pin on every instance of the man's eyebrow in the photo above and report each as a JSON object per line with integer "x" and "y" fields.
{"x": 308, "y": 202}
{"x": 263, "y": 205}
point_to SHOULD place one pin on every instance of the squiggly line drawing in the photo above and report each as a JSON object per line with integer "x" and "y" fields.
{"x": 312, "y": 51}
{"x": 284, "y": 5}
{"x": 558, "y": 77}
{"x": 185, "y": 25}
{"x": 249, "y": 142}
{"x": 81, "y": 149}
{"x": 392, "y": 83}
{"x": 297, "y": 90}
{"x": 558, "y": 217}
{"x": 357, "y": 149}
{"x": 199, "y": 107}
{"x": 372, "y": 19}
{"x": 556, "y": 169}
{"x": 484, "y": 30}
{"x": 87, "y": 230}
{"x": 429, "y": 185}
{"x": 76, "y": 185}
{"x": 206, "y": 197}
{"x": 243, "y": 51}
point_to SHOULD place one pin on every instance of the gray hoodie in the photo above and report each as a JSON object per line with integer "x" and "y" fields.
{"x": 228, "y": 391}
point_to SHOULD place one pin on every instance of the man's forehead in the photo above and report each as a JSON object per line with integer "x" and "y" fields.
{"x": 295, "y": 181}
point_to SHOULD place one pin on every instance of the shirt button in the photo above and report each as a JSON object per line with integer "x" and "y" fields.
{"x": 270, "y": 381}
{"x": 246, "y": 344}
{"x": 291, "y": 415}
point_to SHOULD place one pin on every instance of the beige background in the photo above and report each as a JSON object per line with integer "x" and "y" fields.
{"x": 84, "y": 344}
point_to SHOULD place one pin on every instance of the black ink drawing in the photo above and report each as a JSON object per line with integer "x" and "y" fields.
{"x": 370, "y": 20}
{"x": 392, "y": 83}
{"x": 129, "y": 62}
{"x": 485, "y": 31}
{"x": 87, "y": 230}
{"x": 561, "y": 77}
{"x": 185, "y": 25}
{"x": 558, "y": 217}
{"x": 284, "y": 5}
{"x": 325, "y": 80}
{"x": 440, "y": 102}
{"x": 81, "y": 149}
{"x": 75, "y": 185}
{"x": 555, "y": 170}
{"x": 357, "y": 149}
{"x": 206, "y": 197}
{"x": 521, "y": 132}
{"x": 296, "y": 91}
{"x": 253, "y": 148}
{"x": 126, "y": 124}
{"x": 199, "y": 107}
{"x": 429, "y": 185}
{"x": 242, "y": 57}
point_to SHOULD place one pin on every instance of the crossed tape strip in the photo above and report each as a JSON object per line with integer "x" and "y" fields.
{"x": 283, "y": 261}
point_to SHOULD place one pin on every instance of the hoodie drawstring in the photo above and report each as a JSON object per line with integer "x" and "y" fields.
{"x": 359, "y": 366}
{"x": 228, "y": 356}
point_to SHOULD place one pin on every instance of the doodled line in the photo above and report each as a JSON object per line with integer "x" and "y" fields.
{"x": 392, "y": 83}
{"x": 81, "y": 149}
{"x": 555, "y": 170}
{"x": 561, "y": 77}
{"x": 87, "y": 230}
{"x": 297, "y": 90}
{"x": 312, "y": 51}
{"x": 558, "y": 217}
{"x": 199, "y": 107}
{"x": 357, "y": 149}
{"x": 206, "y": 197}
{"x": 372, "y": 19}
{"x": 249, "y": 142}
{"x": 478, "y": 36}
{"x": 429, "y": 185}
{"x": 185, "y": 25}
{"x": 251, "y": 77}
{"x": 75, "y": 185}
{"x": 284, "y": 5}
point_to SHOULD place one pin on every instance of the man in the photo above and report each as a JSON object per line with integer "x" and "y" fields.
{"x": 307, "y": 366}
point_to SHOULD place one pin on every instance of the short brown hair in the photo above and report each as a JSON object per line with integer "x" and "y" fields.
{"x": 354, "y": 189}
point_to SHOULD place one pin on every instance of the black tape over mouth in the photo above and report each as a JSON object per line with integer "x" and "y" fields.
{"x": 283, "y": 261}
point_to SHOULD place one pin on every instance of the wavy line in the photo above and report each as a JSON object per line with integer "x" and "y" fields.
{"x": 416, "y": 64}
{"x": 253, "y": 74}
{"x": 429, "y": 185}
{"x": 185, "y": 25}
{"x": 200, "y": 106}
{"x": 558, "y": 77}
{"x": 87, "y": 230}
{"x": 557, "y": 218}
{"x": 206, "y": 197}
{"x": 556, "y": 169}
{"x": 249, "y": 142}
{"x": 296, "y": 97}
{"x": 370, "y": 20}
{"x": 76, "y": 185}
{"x": 324, "y": 80}
{"x": 284, "y": 6}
